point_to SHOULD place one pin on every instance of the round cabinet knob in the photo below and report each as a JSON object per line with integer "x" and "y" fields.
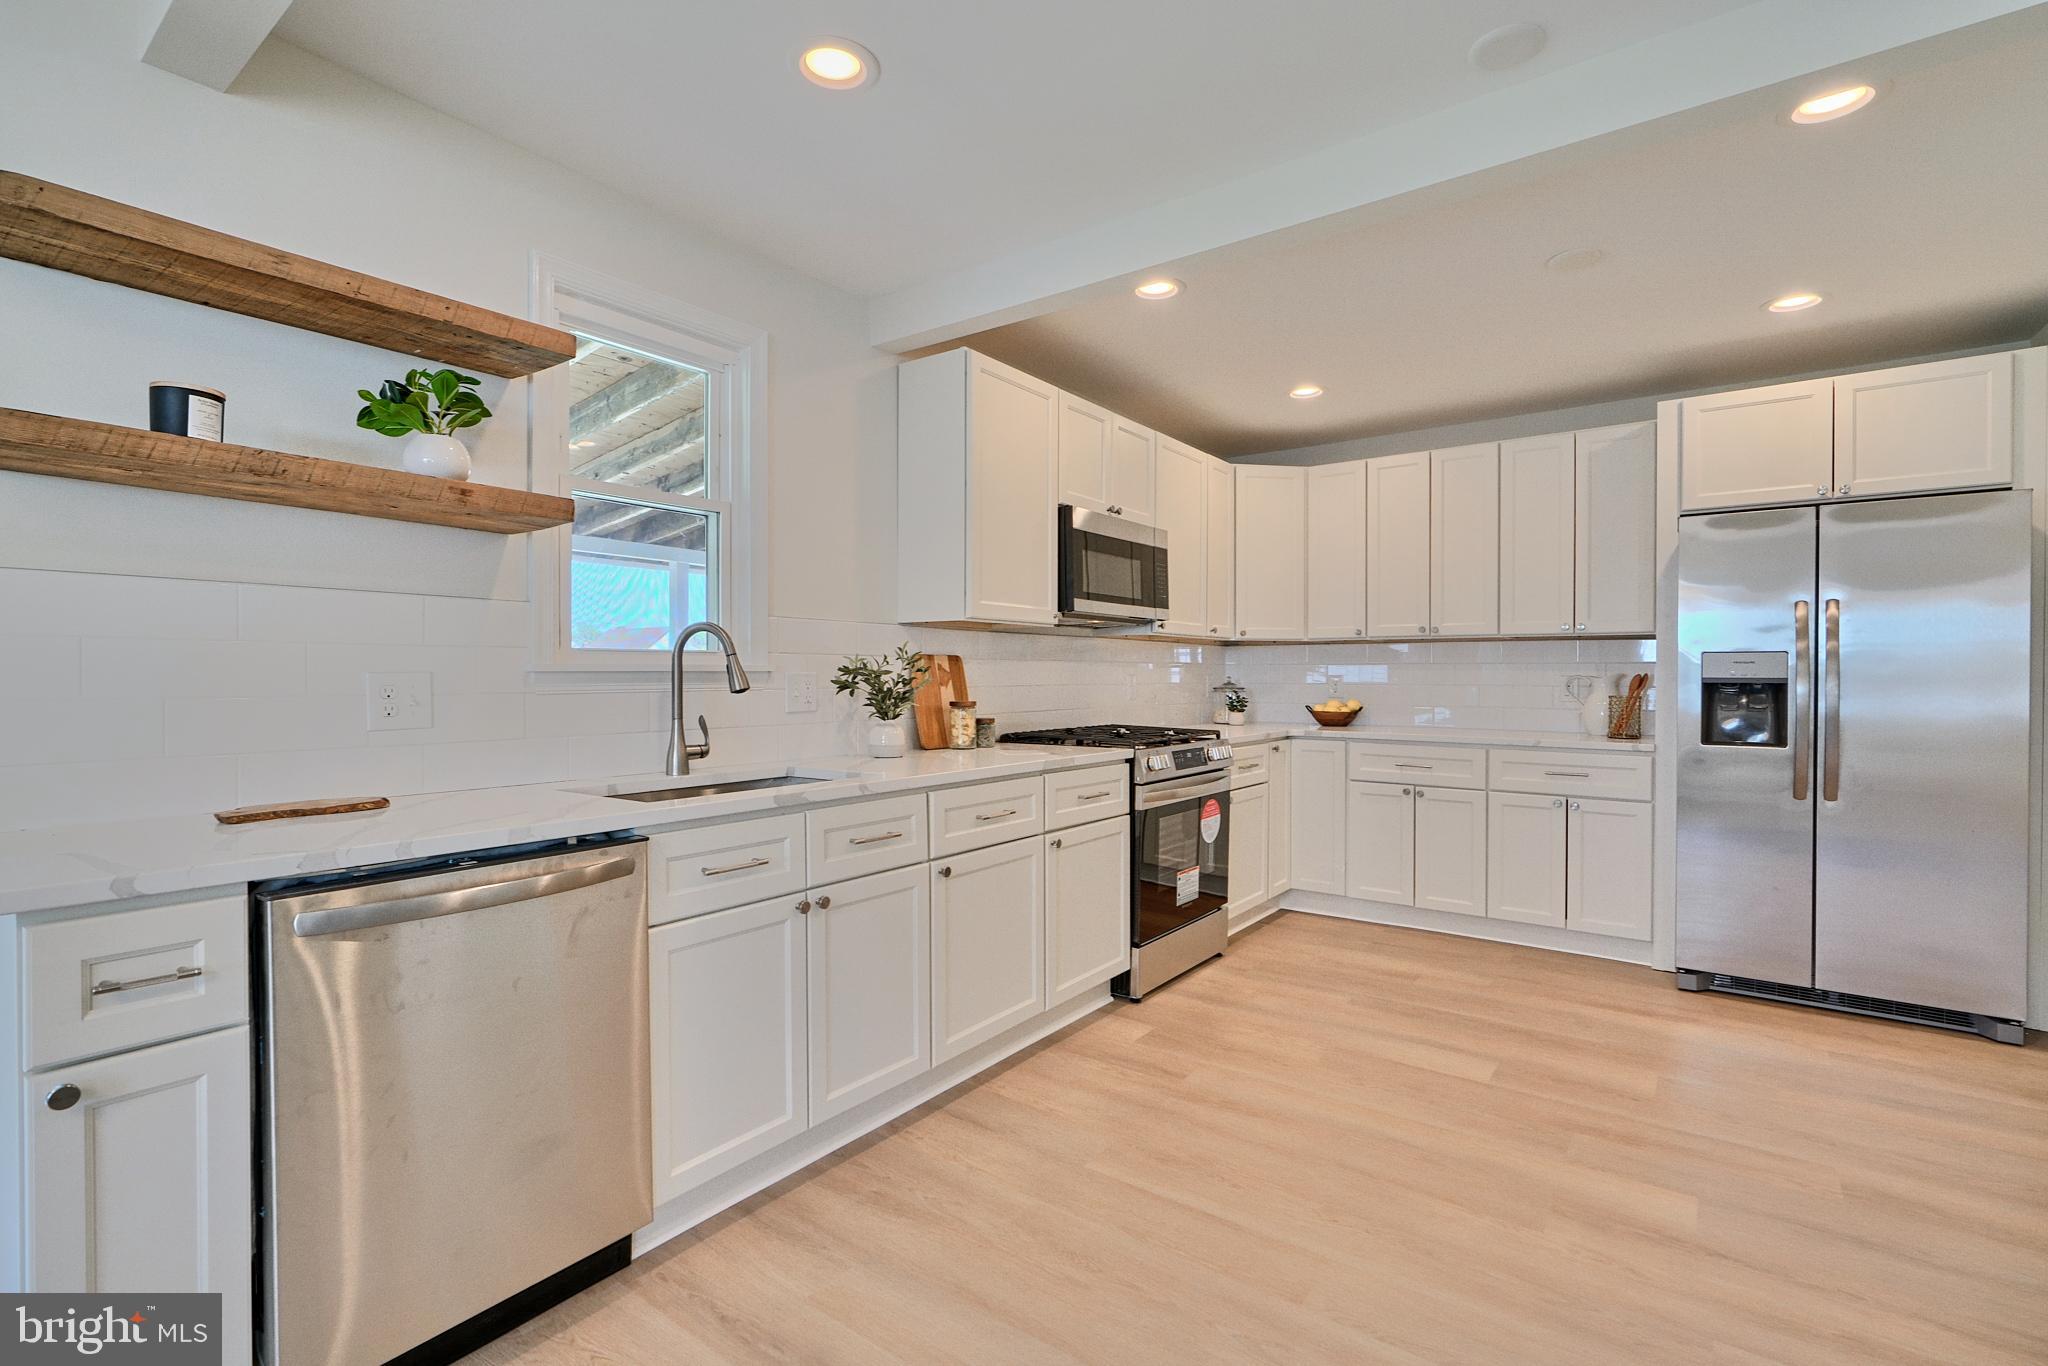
{"x": 945, "y": 872}
{"x": 1822, "y": 490}
{"x": 1557, "y": 801}
{"x": 1575, "y": 806}
{"x": 1405, "y": 791}
{"x": 1843, "y": 489}
{"x": 1358, "y": 630}
{"x": 824, "y": 903}
{"x": 1244, "y": 633}
{"x": 1582, "y": 626}
{"x": 803, "y": 907}
{"x": 1057, "y": 845}
{"x": 1418, "y": 792}
{"x": 63, "y": 1097}
{"x": 1566, "y": 627}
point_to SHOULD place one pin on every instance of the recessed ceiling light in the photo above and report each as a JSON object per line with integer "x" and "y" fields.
{"x": 1162, "y": 288}
{"x": 1507, "y": 47}
{"x": 838, "y": 64}
{"x": 1306, "y": 391}
{"x": 1834, "y": 104}
{"x": 1578, "y": 258}
{"x": 1793, "y": 303}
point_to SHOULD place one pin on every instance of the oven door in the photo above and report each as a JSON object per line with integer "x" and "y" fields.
{"x": 1111, "y": 569}
{"x": 1181, "y": 833}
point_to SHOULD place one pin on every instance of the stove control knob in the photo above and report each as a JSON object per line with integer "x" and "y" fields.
{"x": 1157, "y": 762}
{"x": 1219, "y": 752}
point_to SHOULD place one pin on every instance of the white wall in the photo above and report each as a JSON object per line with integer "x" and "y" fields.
{"x": 162, "y": 653}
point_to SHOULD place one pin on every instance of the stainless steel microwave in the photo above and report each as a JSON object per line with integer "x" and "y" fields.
{"x": 1111, "y": 569}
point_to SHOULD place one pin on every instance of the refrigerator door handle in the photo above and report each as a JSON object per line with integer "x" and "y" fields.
{"x": 1802, "y": 699}
{"x": 1831, "y": 705}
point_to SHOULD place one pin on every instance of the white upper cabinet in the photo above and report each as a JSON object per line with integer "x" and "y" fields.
{"x": 1943, "y": 425}
{"x": 1271, "y": 511}
{"x": 1105, "y": 461}
{"x": 1464, "y": 541}
{"x": 1335, "y": 593}
{"x": 1757, "y": 446}
{"x": 1220, "y": 551}
{"x": 1181, "y": 505}
{"x": 1397, "y": 545}
{"x": 976, "y": 461}
{"x": 1537, "y": 514}
{"x": 1130, "y": 470}
{"x": 1617, "y": 530}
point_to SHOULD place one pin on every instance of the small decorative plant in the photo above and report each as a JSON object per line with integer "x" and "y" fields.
{"x": 1235, "y": 699}
{"x": 886, "y": 684}
{"x": 431, "y": 402}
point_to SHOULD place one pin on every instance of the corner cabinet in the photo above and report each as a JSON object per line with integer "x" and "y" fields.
{"x": 1336, "y": 540}
{"x": 1271, "y": 514}
{"x": 1464, "y": 541}
{"x": 1317, "y": 782}
{"x": 977, "y": 458}
{"x": 1397, "y": 567}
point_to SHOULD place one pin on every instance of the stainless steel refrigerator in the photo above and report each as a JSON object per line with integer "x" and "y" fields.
{"x": 1853, "y": 756}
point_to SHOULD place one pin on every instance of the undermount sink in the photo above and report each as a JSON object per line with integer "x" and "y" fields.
{"x": 676, "y": 794}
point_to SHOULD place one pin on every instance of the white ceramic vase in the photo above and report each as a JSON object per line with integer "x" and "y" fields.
{"x": 885, "y": 739}
{"x": 442, "y": 457}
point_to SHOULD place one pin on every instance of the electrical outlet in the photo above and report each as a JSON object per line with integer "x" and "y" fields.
{"x": 800, "y": 692}
{"x": 399, "y": 701}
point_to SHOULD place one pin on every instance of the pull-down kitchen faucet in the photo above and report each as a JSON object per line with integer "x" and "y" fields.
{"x": 680, "y": 751}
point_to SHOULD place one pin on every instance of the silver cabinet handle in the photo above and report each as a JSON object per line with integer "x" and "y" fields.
{"x": 735, "y": 867}
{"x": 804, "y": 907}
{"x": 1582, "y": 626}
{"x": 184, "y": 974}
{"x": 946, "y": 871}
{"x": 1564, "y": 773}
{"x": 1831, "y": 706}
{"x": 1822, "y": 490}
{"x": 1843, "y": 489}
{"x": 1802, "y": 699}
{"x": 1575, "y": 806}
{"x": 1421, "y": 766}
{"x": 1566, "y": 627}
{"x": 997, "y": 815}
{"x": 824, "y": 903}
{"x": 332, "y": 913}
{"x": 1557, "y": 801}
{"x": 878, "y": 839}
{"x": 1095, "y": 796}
{"x": 63, "y": 1097}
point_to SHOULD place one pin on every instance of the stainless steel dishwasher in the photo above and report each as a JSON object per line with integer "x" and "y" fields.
{"x": 454, "y": 1124}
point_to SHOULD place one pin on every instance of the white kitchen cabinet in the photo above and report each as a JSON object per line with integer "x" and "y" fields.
{"x": 988, "y": 944}
{"x": 976, "y": 478}
{"x": 1607, "y": 886}
{"x": 850, "y": 841}
{"x": 1397, "y": 561}
{"x": 1087, "y": 907}
{"x": 1271, "y": 514}
{"x": 1755, "y": 447}
{"x": 1464, "y": 540}
{"x": 1335, "y": 575}
{"x": 730, "y": 1041}
{"x": 1279, "y": 818}
{"x": 143, "y": 1184}
{"x": 1379, "y": 843}
{"x": 868, "y": 950}
{"x": 1450, "y": 850}
{"x": 735, "y": 863}
{"x": 1525, "y": 858}
{"x": 1616, "y": 543}
{"x": 1538, "y": 511}
{"x": 1105, "y": 461}
{"x": 982, "y": 814}
{"x": 1181, "y": 496}
{"x": 1918, "y": 428}
{"x": 1219, "y": 551}
{"x": 1316, "y": 850}
{"x": 1250, "y": 856}
{"x": 1130, "y": 470}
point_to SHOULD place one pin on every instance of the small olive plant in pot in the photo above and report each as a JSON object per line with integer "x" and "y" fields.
{"x": 885, "y": 685}
{"x": 426, "y": 408}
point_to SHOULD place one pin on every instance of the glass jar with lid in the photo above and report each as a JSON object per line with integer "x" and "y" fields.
{"x": 960, "y": 725}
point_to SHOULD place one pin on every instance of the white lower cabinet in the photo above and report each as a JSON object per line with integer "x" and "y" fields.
{"x": 1280, "y": 819}
{"x": 1450, "y": 850}
{"x": 730, "y": 1050}
{"x": 1250, "y": 857}
{"x": 1317, "y": 781}
{"x": 870, "y": 1017}
{"x": 1379, "y": 843}
{"x": 1087, "y": 907}
{"x": 1607, "y": 879}
{"x": 143, "y": 1184}
{"x": 1525, "y": 858}
{"x": 988, "y": 944}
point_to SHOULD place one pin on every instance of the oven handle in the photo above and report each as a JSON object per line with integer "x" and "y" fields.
{"x": 1152, "y": 798}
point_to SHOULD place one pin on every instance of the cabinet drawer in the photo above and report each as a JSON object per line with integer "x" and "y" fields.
{"x": 966, "y": 818}
{"x": 1253, "y": 765}
{"x": 1087, "y": 794}
{"x": 712, "y": 867}
{"x": 1625, "y": 777}
{"x": 101, "y": 983}
{"x": 866, "y": 837}
{"x": 1436, "y": 765}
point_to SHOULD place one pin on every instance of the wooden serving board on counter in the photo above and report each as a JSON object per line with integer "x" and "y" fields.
{"x": 284, "y": 811}
{"x": 945, "y": 684}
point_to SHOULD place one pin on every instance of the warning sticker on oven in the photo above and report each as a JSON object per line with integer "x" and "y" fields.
{"x": 1212, "y": 820}
{"x": 1187, "y": 885}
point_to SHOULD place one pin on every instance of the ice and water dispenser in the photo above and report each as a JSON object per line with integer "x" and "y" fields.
{"x": 1742, "y": 697}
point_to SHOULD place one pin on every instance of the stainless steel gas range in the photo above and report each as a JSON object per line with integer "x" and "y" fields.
{"x": 1180, "y": 844}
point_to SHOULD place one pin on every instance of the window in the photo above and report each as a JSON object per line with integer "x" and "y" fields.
{"x": 647, "y": 429}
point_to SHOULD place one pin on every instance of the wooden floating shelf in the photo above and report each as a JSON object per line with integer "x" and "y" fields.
{"x": 64, "y": 229}
{"x": 36, "y": 443}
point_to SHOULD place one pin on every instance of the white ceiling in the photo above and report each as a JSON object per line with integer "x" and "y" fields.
{"x": 1921, "y": 218}
{"x": 992, "y": 128}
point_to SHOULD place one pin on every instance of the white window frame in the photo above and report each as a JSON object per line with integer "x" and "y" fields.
{"x": 735, "y": 357}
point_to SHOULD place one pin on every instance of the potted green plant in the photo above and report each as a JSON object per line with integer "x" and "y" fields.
{"x": 426, "y": 408}
{"x": 1236, "y": 702}
{"x": 885, "y": 686}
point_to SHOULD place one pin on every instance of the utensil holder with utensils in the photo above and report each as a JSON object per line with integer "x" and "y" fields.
{"x": 1625, "y": 713}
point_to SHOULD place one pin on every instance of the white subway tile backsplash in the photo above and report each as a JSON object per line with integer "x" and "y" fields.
{"x": 131, "y": 787}
{"x": 129, "y": 668}
{"x": 497, "y": 763}
{"x": 34, "y": 667}
{"x": 271, "y": 612}
{"x": 50, "y": 602}
{"x": 55, "y": 730}
{"x": 328, "y": 773}
{"x": 588, "y": 713}
{"x": 339, "y": 668}
{"x": 477, "y": 621}
{"x": 458, "y": 719}
{"x": 255, "y": 725}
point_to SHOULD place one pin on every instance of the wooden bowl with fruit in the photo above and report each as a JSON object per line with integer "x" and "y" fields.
{"x": 1334, "y": 713}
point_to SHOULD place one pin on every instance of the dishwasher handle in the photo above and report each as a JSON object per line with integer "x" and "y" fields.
{"x": 341, "y": 919}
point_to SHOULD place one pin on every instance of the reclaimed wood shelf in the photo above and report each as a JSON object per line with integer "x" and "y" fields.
{"x": 65, "y": 229}
{"x": 67, "y": 448}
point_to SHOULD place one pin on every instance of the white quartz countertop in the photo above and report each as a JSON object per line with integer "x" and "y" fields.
{"x": 75, "y": 865}
{"x": 1439, "y": 735}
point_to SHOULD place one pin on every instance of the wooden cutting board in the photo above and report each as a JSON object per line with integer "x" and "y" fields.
{"x": 944, "y": 684}
{"x": 284, "y": 811}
